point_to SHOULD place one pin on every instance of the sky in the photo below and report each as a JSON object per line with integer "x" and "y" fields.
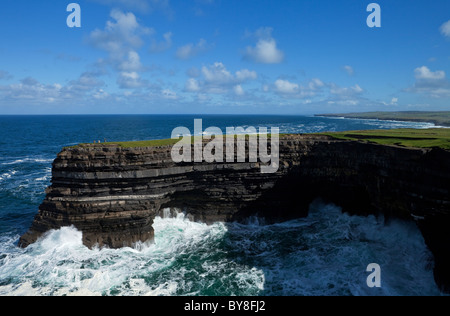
{"x": 223, "y": 57}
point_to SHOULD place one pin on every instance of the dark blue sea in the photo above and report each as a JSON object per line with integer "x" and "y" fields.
{"x": 324, "y": 254}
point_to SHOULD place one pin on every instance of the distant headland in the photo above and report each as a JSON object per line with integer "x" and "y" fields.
{"x": 441, "y": 118}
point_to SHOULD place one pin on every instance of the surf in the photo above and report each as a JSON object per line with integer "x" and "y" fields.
{"x": 324, "y": 254}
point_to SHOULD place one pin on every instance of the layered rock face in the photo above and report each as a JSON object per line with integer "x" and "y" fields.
{"x": 113, "y": 194}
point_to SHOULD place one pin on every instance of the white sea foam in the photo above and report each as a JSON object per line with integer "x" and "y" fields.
{"x": 24, "y": 183}
{"x": 27, "y": 160}
{"x": 7, "y": 175}
{"x": 324, "y": 254}
{"x": 389, "y": 124}
{"x": 44, "y": 178}
{"x": 61, "y": 265}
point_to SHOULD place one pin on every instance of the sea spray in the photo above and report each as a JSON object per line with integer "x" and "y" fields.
{"x": 183, "y": 260}
{"x": 324, "y": 254}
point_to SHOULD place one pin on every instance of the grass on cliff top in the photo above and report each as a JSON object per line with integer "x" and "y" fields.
{"x": 417, "y": 138}
{"x": 133, "y": 144}
{"x": 146, "y": 143}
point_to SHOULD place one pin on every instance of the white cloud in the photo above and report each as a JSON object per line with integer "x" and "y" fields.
{"x": 445, "y": 29}
{"x": 217, "y": 73}
{"x": 286, "y": 87}
{"x": 202, "y": 98}
{"x": 431, "y": 83}
{"x": 121, "y": 38}
{"x": 33, "y": 92}
{"x": 191, "y": 50}
{"x": 217, "y": 79}
{"x": 192, "y": 85}
{"x": 349, "y": 70}
{"x": 100, "y": 94}
{"x": 120, "y": 35}
{"x": 238, "y": 90}
{"x": 425, "y": 73}
{"x": 315, "y": 92}
{"x": 345, "y": 91}
{"x": 289, "y": 89}
{"x": 315, "y": 84}
{"x": 132, "y": 63}
{"x": 169, "y": 94}
{"x": 394, "y": 101}
{"x": 86, "y": 82}
{"x": 130, "y": 80}
{"x": 266, "y": 50}
{"x": 357, "y": 89}
{"x": 245, "y": 74}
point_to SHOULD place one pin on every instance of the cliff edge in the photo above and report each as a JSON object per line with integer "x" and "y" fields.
{"x": 112, "y": 194}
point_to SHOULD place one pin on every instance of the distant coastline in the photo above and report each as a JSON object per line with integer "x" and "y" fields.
{"x": 437, "y": 118}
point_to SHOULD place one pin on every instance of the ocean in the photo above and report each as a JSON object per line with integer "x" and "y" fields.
{"x": 326, "y": 253}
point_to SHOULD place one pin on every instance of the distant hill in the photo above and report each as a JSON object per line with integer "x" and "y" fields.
{"x": 438, "y": 118}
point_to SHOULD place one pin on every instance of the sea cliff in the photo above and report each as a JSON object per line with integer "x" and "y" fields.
{"x": 112, "y": 194}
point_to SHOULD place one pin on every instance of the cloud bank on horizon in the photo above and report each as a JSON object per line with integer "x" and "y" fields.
{"x": 230, "y": 57}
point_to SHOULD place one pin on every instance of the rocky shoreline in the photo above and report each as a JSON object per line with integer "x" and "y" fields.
{"x": 113, "y": 194}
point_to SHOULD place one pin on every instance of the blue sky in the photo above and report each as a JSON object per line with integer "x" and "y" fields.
{"x": 223, "y": 57}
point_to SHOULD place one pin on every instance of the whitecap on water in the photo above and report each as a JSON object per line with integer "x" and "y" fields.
{"x": 7, "y": 175}
{"x": 324, "y": 254}
{"x": 59, "y": 264}
{"x": 27, "y": 160}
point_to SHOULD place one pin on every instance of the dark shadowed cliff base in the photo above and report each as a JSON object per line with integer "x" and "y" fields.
{"x": 112, "y": 194}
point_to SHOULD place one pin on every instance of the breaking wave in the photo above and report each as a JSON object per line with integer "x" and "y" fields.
{"x": 27, "y": 160}
{"x": 324, "y": 254}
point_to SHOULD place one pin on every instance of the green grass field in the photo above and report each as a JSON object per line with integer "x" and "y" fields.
{"x": 418, "y": 138}
{"x": 146, "y": 143}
